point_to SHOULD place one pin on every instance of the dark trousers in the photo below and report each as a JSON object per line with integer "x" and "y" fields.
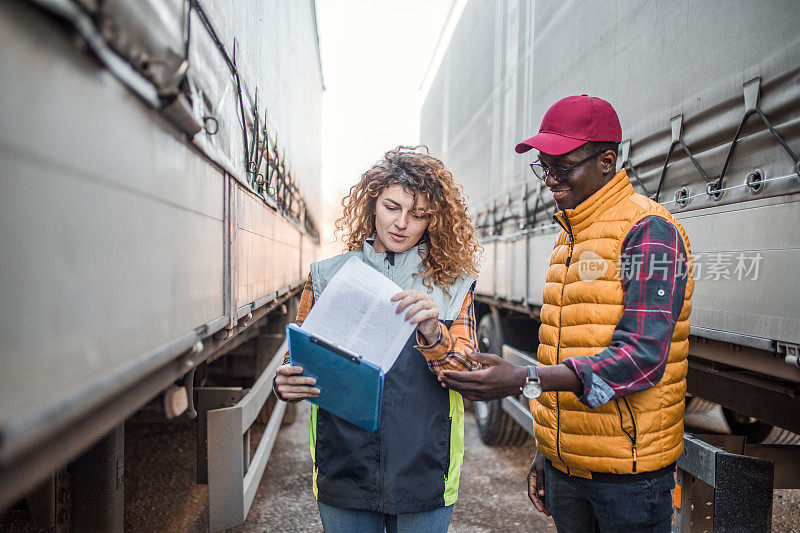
{"x": 580, "y": 505}
{"x": 338, "y": 520}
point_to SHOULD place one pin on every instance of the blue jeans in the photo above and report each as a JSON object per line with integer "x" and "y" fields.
{"x": 338, "y": 520}
{"x": 580, "y": 505}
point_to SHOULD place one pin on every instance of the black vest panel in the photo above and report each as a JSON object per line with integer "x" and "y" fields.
{"x": 401, "y": 468}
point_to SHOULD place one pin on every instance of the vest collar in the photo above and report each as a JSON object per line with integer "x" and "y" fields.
{"x": 588, "y": 211}
{"x": 401, "y": 260}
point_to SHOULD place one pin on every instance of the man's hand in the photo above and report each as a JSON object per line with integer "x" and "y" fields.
{"x": 498, "y": 380}
{"x": 536, "y": 484}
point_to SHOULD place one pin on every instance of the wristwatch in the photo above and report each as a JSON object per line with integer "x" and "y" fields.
{"x": 532, "y": 388}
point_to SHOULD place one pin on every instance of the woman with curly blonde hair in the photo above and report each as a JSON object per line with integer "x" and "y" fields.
{"x": 406, "y": 218}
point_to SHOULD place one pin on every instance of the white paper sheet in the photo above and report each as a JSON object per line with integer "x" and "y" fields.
{"x": 356, "y": 312}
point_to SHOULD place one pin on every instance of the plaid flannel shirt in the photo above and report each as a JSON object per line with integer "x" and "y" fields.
{"x": 448, "y": 352}
{"x": 653, "y": 270}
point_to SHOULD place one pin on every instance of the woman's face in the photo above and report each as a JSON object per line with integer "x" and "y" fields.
{"x": 398, "y": 224}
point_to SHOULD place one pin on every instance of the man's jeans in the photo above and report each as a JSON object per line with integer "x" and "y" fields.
{"x": 580, "y": 505}
{"x": 337, "y": 520}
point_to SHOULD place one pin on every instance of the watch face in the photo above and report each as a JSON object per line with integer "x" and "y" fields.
{"x": 532, "y": 390}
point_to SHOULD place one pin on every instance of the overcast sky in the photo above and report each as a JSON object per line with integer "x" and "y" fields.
{"x": 374, "y": 57}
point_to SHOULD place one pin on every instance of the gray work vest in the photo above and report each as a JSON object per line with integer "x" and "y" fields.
{"x": 412, "y": 464}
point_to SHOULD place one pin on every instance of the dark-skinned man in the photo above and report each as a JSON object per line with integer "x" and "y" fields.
{"x": 608, "y": 394}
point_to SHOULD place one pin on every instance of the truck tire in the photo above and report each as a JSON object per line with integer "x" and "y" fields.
{"x": 755, "y": 430}
{"x": 758, "y": 432}
{"x": 495, "y": 426}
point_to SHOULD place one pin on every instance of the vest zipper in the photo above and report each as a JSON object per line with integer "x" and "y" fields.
{"x": 389, "y": 259}
{"x": 568, "y": 229}
{"x": 632, "y": 438}
{"x": 633, "y": 420}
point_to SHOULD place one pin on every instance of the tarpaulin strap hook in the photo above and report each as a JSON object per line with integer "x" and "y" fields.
{"x": 752, "y": 100}
{"x": 676, "y": 127}
{"x": 210, "y": 125}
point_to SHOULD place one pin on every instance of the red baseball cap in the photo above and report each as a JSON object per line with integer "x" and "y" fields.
{"x": 572, "y": 122}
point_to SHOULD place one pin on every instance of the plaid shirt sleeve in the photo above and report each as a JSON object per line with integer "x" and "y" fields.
{"x": 449, "y": 350}
{"x": 653, "y": 273}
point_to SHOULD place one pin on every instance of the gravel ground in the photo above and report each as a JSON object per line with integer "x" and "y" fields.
{"x": 161, "y": 493}
{"x": 492, "y": 497}
{"x": 786, "y": 511}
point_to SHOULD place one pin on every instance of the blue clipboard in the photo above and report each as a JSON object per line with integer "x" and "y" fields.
{"x": 350, "y": 387}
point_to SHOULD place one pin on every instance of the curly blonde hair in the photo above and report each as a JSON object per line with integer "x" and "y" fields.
{"x": 453, "y": 248}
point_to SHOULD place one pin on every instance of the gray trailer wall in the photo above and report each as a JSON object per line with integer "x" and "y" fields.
{"x": 508, "y": 61}
{"x": 278, "y": 55}
{"x": 126, "y": 237}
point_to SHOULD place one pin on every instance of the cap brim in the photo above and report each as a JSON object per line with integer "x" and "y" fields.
{"x": 550, "y": 143}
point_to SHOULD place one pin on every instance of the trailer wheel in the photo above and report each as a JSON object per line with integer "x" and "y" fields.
{"x": 755, "y": 430}
{"x": 495, "y": 426}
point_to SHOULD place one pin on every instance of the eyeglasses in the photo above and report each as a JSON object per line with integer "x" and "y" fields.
{"x": 559, "y": 174}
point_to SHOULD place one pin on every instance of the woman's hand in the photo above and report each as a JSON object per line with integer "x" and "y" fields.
{"x": 290, "y": 386}
{"x": 422, "y": 311}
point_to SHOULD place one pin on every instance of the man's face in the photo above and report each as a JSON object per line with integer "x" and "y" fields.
{"x": 583, "y": 180}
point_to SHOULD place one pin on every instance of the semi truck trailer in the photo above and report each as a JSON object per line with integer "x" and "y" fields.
{"x": 708, "y": 94}
{"x": 159, "y": 182}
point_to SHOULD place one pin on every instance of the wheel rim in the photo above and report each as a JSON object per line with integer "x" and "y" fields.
{"x": 484, "y": 344}
{"x": 481, "y": 410}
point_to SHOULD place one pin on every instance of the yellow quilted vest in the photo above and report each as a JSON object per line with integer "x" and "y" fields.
{"x": 582, "y": 305}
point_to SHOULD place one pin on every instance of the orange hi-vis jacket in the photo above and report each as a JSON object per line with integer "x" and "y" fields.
{"x": 640, "y": 432}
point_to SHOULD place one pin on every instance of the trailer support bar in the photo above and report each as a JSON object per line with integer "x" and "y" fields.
{"x": 742, "y": 489}
{"x": 232, "y": 477}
